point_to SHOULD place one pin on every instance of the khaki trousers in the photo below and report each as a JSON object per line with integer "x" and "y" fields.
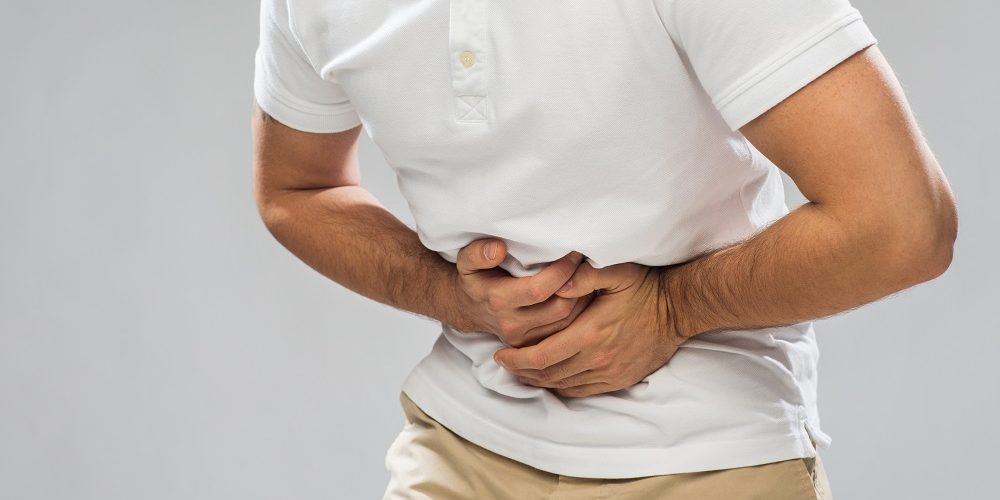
{"x": 429, "y": 461}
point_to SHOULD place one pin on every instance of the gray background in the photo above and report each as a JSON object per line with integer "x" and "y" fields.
{"x": 156, "y": 343}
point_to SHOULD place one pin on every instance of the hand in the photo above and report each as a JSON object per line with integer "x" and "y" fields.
{"x": 624, "y": 335}
{"x": 519, "y": 311}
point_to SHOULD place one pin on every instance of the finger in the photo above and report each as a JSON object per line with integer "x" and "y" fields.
{"x": 585, "y": 390}
{"x": 585, "y": 377}
{"x": 544, "y": 354}
{"x": 585, "y": 280}
{"x": 550, "y": 312}
{"x": 481, "y": 254}
{"x": 559, "y": 372}
{"x": 534, "y": 289}
{"x": 535, "y": 335}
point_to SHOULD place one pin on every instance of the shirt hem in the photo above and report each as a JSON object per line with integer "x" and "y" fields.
{"x": 599, "y": 462}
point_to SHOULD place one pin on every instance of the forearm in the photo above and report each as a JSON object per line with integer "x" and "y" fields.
{"x": 809, "y": 264}
{"x": 345, "y": 234}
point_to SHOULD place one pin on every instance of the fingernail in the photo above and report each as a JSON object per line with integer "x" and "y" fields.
{"x": 567, "y": 286}
{"x": 499, "y": 362}
{"x": 577, "y": 256}
{"x": 491, "y": 250}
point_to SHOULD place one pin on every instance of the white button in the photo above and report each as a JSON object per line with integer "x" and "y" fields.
{"x": 467, "y": 58}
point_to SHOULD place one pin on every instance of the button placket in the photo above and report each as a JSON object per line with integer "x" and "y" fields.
{"x": 467, "y": 43}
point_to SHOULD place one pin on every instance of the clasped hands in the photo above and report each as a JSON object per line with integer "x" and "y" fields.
{"x": 577, "y": 330}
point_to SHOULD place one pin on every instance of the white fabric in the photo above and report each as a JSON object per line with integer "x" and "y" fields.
{"x": 607, "y": 127}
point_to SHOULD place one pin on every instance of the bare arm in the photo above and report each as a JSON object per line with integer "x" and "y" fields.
{"x": 880, "y": 216}
{"x": 308, "y": 193}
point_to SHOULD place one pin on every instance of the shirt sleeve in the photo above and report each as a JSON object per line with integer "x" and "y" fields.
{"x": 749, "y": 55}
{"x": 288, "y": 86}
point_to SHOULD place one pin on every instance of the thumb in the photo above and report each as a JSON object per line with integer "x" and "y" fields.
{"x": 481, "y": 254}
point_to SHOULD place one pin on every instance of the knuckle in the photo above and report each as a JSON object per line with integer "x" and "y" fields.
{"x": 539, "y": 358}
{"x": 508, "y": 329}
{"x": 516, "y": 341}
{"x": 561, "y": 383}
{"x": 494, "y": 302}
{"x": 537, "y": 293}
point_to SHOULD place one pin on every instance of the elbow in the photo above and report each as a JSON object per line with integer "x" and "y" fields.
{"x": 274, "y": 216}
{"x": 271, "y": 208}
{"x": 936, "y": 257}
{"x": 922, "y": 244}
{"x": 947, "y": 234}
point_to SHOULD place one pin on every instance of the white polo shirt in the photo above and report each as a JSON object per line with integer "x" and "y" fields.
{"x": 602, "y": 126}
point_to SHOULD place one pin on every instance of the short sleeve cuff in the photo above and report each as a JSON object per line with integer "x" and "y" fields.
{"x": 782, "y": 76}
{"x": 303, "y": 116}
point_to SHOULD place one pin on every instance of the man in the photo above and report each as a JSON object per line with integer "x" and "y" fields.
{"x": 626, "y": 301}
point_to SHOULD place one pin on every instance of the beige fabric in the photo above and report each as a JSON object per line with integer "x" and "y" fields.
{"x": 428, "y": 461}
